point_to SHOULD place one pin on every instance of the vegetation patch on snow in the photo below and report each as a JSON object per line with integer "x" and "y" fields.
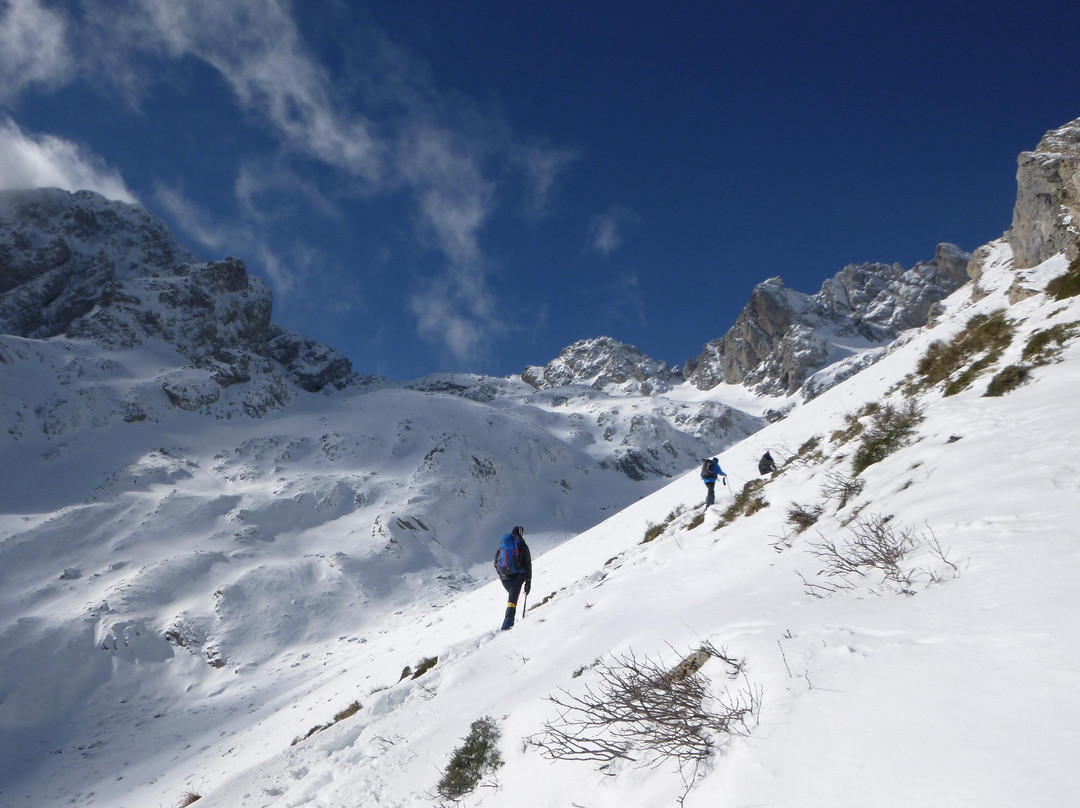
{"x": 477, "y": 756}
{"x": 959, "y": 361}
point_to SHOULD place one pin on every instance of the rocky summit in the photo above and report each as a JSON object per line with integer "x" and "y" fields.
{"x": 604, "y": 363}
{"x": 61, "y": 252}
{"x": 81, "y": 266}
{"x": 782, "y": 337}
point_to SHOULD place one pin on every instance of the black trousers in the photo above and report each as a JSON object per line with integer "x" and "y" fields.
{"x": 512, "y": 584}
{"x": 710, "y": 498}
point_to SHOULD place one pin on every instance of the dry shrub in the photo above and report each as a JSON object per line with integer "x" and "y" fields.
{"x": 1067, "y": 285}
{"x": 803, "y": 516}
{"x": 747, "y": 502}
{"x": 890, "y": 428}
{"x": 841, "y": 488}
{"x": 967, "y": 355}
{"x": 643, "y": 712}
{"x": 873, "y": 554}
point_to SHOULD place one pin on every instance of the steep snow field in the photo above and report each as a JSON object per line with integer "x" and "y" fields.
{"x": 955, "y": 688}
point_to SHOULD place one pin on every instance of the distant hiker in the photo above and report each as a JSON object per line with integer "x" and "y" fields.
{"x": 766, "y": 464}
{"x": 513, "y": 562}
{"x": 710, "y": 470}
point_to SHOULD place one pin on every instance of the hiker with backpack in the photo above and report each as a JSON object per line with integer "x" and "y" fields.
{"x": 710, "y": 471}
{"x": 513, "y": 562}
{"x": 766, "y": 464}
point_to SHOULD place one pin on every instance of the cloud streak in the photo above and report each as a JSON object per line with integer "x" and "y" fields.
{"x": 543, "y": 165}
{"x": 381, "y": 124}
{"x": 32, "y": 47}
{"x": 45, "y": 161}
{"x": 257, "y": 48}
{"x": 219, "y": 236}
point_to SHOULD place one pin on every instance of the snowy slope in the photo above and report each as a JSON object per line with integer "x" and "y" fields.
{"x": 132, "y": 530}
{"x": 956, "y": 691}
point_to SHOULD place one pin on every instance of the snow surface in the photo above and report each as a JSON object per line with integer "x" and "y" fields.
{"x": 960, "y": 693}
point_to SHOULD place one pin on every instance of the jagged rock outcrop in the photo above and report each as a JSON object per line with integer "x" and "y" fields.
{"x": 311, "y": 364}
{"x": 200, "y": 309}
{"x": 79, "y": 265}
{"x": 603, "y": 363}
{"x": 781, "y": 337}
{"x": 1047, "y": 211}
{"x": 60, "y": 250}
{"x": 758, "y": 331}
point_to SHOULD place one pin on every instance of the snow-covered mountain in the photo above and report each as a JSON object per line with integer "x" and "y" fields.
{"x": 173, "y": 459}
{"x": 783, "y": 337}
{"x": 83, "y": 267}
{"x": 606, "y": 364}
{"x": 204, "y": 557}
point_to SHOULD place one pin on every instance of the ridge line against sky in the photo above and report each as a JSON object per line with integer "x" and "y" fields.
{"x": 473, "y": 186}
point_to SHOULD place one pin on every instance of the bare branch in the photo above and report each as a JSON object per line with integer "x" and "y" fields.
{"x": 642, "y": 712}
{"x": 841, "y": 488}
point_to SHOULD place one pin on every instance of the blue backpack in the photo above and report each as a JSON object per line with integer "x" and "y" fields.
{"x": 508, "y": 558}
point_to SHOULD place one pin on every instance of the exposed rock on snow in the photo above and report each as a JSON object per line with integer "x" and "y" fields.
{"x": 606, "y": 364}
{"x": 79, "y": 265}
{"x": 60, "y": 250}
{"x": 200, "y": 309}
{"x": 783, "y": 336}
{"x": 311, "y": 364}
{"x": 1045, "y": 219}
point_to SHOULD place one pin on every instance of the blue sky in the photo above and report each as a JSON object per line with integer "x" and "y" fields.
{"x": 440, "y": 185}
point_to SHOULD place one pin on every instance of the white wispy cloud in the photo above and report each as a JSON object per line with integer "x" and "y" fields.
{"x": 257, "y": 49}
{"x": 220, "y": 236}
{"x": 454, "y": 196}
{"x": 194, "y": 220}
{"x": 381, "y": 123}
{"x": 606, "y": 230}
{"x": 262, "y": 184}
{"x": 456, "y": 312}
{"x": 542, "y": 166}
{"x": 45, "y": 161}
{"x": 32, "y": 47}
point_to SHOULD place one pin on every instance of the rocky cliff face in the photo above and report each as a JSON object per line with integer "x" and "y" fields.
{"x": 1047, "y": 212}
{"x": 59, "y": 251}
{"x": 78, "y": 265}
{"x": 783, "y": 336}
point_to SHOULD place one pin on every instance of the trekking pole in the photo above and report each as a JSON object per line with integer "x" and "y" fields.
{"x": 730, "y": 488}
{"x": 524, "y": 598}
